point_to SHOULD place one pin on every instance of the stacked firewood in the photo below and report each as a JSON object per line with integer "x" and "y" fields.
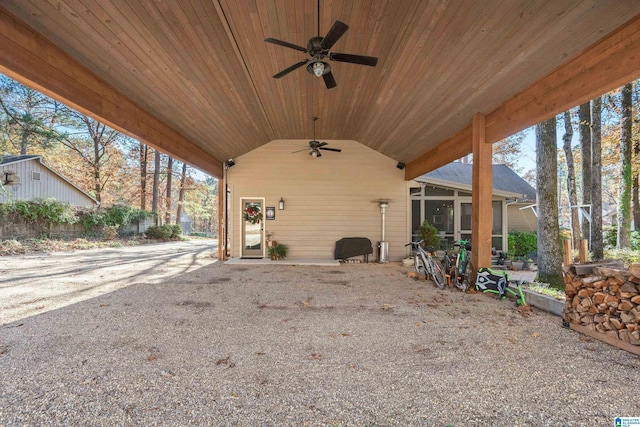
{"x": 605, "y": 297}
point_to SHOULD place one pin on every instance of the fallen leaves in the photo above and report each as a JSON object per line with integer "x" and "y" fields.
{"x": 525, "y": 310}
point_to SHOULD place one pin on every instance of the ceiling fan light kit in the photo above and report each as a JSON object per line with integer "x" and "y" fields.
{"x": 318, "y": 49}
{"x": 316, "y": 145}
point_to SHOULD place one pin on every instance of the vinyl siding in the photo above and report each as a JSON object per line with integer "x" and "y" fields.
{"x": 326, "y": 198}
{"x": 50, "y": 185}
{"x": 521, "y": 220}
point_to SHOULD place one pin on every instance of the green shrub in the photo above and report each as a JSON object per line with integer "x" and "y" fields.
{"x": 164, "y": 232}
{"x": 48, "y": 211}
{"x": 626, "y": 255}
{"x": 114, "y": 216}
{"x": 176, "y": 231}
{"x": 429, "y": 234}
{"x": 522, "y": 244}
{"x": 611, "y": 238}
{"x": 278, "y": 251}
{"x": 124, "y": 215}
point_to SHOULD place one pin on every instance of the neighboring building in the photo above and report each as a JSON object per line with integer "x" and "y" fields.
{"x": 325, "y": 199}
{"x": 443, "y": 198}
{"x": 28, "y": 177}
{"x": 185, "y": 224}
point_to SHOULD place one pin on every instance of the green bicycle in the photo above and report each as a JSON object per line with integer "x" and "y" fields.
{"x": 458, "y": 265}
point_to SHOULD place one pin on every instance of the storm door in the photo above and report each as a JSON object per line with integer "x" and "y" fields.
{"x": 252, "y": 220}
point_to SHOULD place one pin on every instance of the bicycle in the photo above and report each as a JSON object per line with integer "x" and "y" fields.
{"x": 458, "y": 265}
{"x": 426, "y": 264}
{"x": 497, "y": 282}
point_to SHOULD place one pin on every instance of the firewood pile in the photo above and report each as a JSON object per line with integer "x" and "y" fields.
{"x": 605, "y": 298}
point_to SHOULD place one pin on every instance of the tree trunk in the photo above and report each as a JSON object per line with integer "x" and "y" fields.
{"x": 156, "y": 186}
{"x": 183, "y": 178}
{"x": 636, "y": 185}
{"x": 144, "y": 152}
{"x": 549, "y": 251}
{"x": 168, "y": 200}
{"x": 24, "y": 142}
{"x": 624, "y": 202}
{"x": 571, "y": 180}
{"x": 585, "y": 149}
{"x": 597, "y": 244}
{"x": 96, "y": 169}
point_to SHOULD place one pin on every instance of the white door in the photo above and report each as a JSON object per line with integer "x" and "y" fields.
{"x": 252, "y": 220}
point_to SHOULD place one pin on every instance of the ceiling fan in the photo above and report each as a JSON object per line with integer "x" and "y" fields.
{"x": 318, "y": 49}
{"x": 316, "y": 146}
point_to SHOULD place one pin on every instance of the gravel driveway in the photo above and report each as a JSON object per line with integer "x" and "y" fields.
{"x": 355, "y": 345}
{"x": 35, "y": 284}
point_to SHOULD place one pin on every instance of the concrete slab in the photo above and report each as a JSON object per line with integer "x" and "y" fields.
{"x": 286, "y": 261}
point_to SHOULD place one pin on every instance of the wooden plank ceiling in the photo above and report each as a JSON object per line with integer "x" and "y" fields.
{"x": 203, "y": 68}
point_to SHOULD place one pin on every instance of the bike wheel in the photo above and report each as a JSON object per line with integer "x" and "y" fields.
{"x": 419, "y": 265}
{"x": 437, "y": 272}
{"x": 463, "y": 281}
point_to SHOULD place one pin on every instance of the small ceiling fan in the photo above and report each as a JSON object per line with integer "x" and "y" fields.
{"x": 316, "y": 146}
{"x": 318, "y": 48}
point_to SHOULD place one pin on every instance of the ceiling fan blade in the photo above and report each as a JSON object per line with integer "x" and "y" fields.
{"x": 371, "y": 61}
{"x": 304, "y": 149}
{"x": 337, "y": 150}
{"x": 322, "y": 144}
{"x": 290, "y": 69}
{"x": 286, "y": 44}
{"x": 336, "y": 31}
{"x": 329, "y": 80}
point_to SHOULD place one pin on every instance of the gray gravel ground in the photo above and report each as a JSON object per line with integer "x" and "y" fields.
{"x": 356, "y": 345}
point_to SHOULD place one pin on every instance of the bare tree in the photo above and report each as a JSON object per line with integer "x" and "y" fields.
{"x": 584, "y": 115}
{"x": 597, "y": 244}
{"x": 95, "y": 152}
{"x": 183, "y": 179}
{"x": 624, "y": 201}
{"x": 144, "y": 153}
{"x": 549, "y": 251}
{"x": 508, "y": 151}
{"x": 571, "y": 179}
{"x": 156, "y": 185}
{"x": 168, "y": 198}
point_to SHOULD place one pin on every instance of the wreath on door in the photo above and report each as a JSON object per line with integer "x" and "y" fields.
{"x": 252, "y": 213}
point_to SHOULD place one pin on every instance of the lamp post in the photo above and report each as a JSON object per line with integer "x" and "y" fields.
{"x": 383, "y": 247}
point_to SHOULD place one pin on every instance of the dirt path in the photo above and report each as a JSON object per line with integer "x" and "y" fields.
{"x": 38, "y": 283}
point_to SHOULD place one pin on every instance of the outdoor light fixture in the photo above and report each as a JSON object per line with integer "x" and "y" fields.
{"x": 10, "y": 178}
{"x": 229, "y": 163}
{"x": 281, "y": 204}
{"x": 318, "y": 69}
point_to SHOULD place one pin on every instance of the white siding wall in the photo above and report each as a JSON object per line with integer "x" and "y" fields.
{"x": 326, "y": 199}
{"x": 49, "y": 186}
{"x": 521, "y": 220}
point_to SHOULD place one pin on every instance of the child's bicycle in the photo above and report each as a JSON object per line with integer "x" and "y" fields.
{"x": 426, "y": 264}
{"x": 457, "y": 264}
{"x": 497, "y": 282}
